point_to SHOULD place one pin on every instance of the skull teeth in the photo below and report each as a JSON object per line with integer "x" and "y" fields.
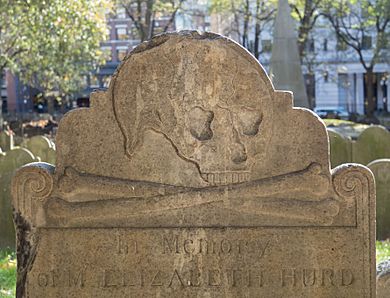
{"x": 221, "y": 178}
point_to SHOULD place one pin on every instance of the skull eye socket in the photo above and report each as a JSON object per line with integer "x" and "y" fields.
{"x": 250, "y": 121}
{"x": 200, "y": 123}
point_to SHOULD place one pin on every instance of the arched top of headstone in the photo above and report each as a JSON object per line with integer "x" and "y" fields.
{"x": 373, "y": 143}
{"x": 193, "y": 109}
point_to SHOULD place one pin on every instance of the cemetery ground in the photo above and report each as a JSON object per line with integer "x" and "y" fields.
{"x": 8, "y": 267}
{"x": 7, "y": 273}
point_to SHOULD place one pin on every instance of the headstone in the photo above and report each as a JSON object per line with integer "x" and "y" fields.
{"x": 383, "y": 280}
{"x": 340, "y": 149}
{"x": 285, "y": 66}
{"x": 192, "y": 177}
{"x": 373, "y": 143}
{"x": 381, "y": 170}
{"x": 9, "y": 162}
{"x": 6, "y": 141}
{"x": 41, "y": 147}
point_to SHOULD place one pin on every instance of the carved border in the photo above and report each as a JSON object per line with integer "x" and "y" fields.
{"x": 356, "y": 182}
{"x": 31, "y": 186}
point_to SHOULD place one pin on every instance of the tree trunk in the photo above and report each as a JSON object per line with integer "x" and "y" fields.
{"x": 246, "y": 25}
{"x": 50, "y": 105}
{"x": 304, "y": 28}
{"x": 256, "y": 50}
{"x": 370, "y": 98}
{"x": 148, "y": 19}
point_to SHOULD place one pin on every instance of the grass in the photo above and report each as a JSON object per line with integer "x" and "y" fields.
{"x": 7, "y": 273}
{"x": 8, "y": 267}
{"x": 382, "y": 251}
{"x": 338, "y": 122}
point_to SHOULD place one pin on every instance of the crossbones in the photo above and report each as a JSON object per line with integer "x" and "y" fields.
{"x": 83, "y": 196}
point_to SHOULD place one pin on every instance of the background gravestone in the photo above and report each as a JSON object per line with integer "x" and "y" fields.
{"x": 373, "y": 143}
{"x": 381, "y": 171}
{"x": 9, "y": 162}
{"x": 340, "y": 149}
{"x": 383, "y": 279}
{"x": 6, "y": 141}
{"x": 192, "y": 177}
{"x": 41, "y": 147}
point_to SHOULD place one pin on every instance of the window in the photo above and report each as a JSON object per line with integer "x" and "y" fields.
{"x": 3, "y": 81}
{"x": 94, "y": 82}
{"x": 120, "y": 13}
{"x": 325, "y": 45}
{"x": 325, "y": 74}
{"x": 366, "y": 42}
{"x": 341, "y": 45}
{"x": 121, "y": 53}
{"x": 343, "y": 86}
{"x": 106, "y": 81}
{"x": 266, "y": 45}
{"x": 310, "y": 45}
{"x": 121, "y": 33}
{"x": 84, "y": 81}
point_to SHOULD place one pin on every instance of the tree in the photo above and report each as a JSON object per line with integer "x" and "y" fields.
{"x": 144, "y": 14}
{"x": 249, "y": 17}
{"x": 52, "y": 44}
{"x": 356, "y": 23}
{"x": 14, "y": 26}
{"x": 306, "y": 12}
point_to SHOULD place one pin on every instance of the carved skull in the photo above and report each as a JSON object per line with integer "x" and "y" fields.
{"x": 209, "y": 102}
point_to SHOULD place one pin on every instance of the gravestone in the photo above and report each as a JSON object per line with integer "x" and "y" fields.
{"x": 381, "y": 170}
{"x": 41, "y": 147}
{"x": 383, "y": 279}
{"x": 285, "y": 65}
{"x": 340, "y": 148}
{"x": 10, "y": 161}
{"x": 6, "y": 141}
{"x": 192, "y": 177}
{"x": 373, "y": 143}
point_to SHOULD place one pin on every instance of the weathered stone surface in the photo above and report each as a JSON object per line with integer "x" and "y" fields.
{"x": 383, "y": 280}
{"x": 10, "y": 161}
{"x": 381, "y": 171}
{"x": 192, "y": 177}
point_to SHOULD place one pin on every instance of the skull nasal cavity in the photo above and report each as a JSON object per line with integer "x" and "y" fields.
{"x": 200, "y": 123}
{"x": 238, "y": 153}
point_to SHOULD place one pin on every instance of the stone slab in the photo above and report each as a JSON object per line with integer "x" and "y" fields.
{"x": 41, "y": 147}
{"x": 191, "y": 145}
{"x": 10, "y": 161}
{"x": 340, "y": 148}
{"x": 223, "y": 262}
{"x": 373, "y": 143}
{"x": 6, "y": 140}
{"x": 383, "y": 279}
{"x": 381, "y": 171}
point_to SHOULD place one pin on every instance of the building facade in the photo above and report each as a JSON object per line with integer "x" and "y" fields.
{"x": 334, "y": 76}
